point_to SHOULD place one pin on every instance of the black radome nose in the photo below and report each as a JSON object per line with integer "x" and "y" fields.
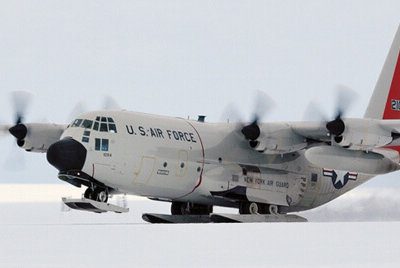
{"x": 66, "y": 155}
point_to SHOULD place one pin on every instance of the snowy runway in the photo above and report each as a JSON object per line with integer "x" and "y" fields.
{"x": 216, "y": 245}
{"x": 40, "y": 235}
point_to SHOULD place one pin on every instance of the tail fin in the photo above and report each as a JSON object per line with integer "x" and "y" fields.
{"x": 385, "y": 101}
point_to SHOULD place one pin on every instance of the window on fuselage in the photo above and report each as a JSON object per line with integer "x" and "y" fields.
{"x": 103, "y": 127}
{"x": 101, "y": 145}
{"x": 112, "y": 128}
{"x": 97, "y": 144}
{"x": 104, "y": 145}
{"x": 105, "y": 124}
{"x": 87, "y": 124}
{"x": 77, "y": 123}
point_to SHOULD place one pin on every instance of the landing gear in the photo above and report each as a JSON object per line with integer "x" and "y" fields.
{"x": 181, "y": 208}
{"x": 89, "y": 194}
{"x": 177, "y": 208}
{"x": 96, "y": 194}
{"x": 273, "y": 209}
{"x": 252, "y": 208}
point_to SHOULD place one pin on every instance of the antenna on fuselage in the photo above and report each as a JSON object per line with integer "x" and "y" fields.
{"x": 201, "y": 118}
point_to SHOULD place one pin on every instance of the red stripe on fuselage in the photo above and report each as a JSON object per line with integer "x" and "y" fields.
{"x": 200, "y": 179}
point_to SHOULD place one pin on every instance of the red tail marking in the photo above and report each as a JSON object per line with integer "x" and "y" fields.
{"x": 392, "y": 109}
{"x": 394, "y": 148}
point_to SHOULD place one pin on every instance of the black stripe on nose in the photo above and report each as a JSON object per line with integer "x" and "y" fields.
{"x": 67, "y": 154}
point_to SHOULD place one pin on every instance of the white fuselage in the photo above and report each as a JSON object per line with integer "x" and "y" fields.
{"x": 175, "y": 159}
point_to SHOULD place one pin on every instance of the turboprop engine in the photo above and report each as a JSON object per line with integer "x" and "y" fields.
{"x": 276, "y": 139}
{"x": 36, "y": 137}
{"x": 358, "y": 134}
{"x": 33, "y": 137}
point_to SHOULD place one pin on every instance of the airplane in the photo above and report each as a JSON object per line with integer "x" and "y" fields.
{"x": 261, "y": 169}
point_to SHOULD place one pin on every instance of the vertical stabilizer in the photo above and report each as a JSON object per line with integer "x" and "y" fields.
{"x": 385, "y": 101}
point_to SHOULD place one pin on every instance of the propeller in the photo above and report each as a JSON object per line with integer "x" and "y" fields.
{"x": 80, "y": 108}
{"x": 21, "y": 101}
{"x": 109, "y": 103}
{"x": 314, "y": 112}
{"x": 252, "y": 132}
{"x": 4, "y": 129}
{"x": 263, "y": 104}
{"x": 336, "y": 126}
{"x": 344, "y": 99}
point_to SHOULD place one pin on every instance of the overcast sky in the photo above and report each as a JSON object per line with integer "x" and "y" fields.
{"x": 183, "y": 58}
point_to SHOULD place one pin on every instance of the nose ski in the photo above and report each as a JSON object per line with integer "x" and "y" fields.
{"x": 85, "y": 204}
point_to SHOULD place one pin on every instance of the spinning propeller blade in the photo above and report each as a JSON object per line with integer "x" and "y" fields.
{"x": 262, "y": 105}
{"x": 344, "y": 99}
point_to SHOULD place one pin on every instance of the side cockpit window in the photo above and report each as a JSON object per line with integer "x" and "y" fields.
{"x": 96, "y": 126}
{"x": 103, "y": 127}
{"x": 82, "y": 123}
{"x": 111, "y": 125}
{"x": 112, "y": 128}
{"x": 87, "y": 124}
{"x": 77, "y": 123}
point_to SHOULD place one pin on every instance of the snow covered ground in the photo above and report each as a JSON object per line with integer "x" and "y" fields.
{"x": 39, "y": 233}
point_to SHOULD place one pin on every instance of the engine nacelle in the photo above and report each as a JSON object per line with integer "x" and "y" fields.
{"x": 361, "y": 141}
{"x": 363, "y": 135}
{"x": 278, "y": 139}
{"x": 39, "y": 137}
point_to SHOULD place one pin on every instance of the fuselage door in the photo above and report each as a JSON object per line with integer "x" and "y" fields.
{"x": 145, "y": 171}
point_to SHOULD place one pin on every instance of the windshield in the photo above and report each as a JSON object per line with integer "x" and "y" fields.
{"x": 102, "y": 124}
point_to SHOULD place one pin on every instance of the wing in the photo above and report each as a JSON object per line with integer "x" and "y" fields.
{"x": 282, "y": 138}
{"x": 4, "y": 130}
{"x": 35, "y": 137}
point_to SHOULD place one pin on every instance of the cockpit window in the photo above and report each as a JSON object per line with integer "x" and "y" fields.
{"x": 102, "y": 124}
{"x": 112, "y": 128}
{"x": 96, "y": 126}
{"x": 77, "y": 123}
{"x": 103, "y": 127}
{"x": 87, "y": 124}
{"x": 105, "y": 124}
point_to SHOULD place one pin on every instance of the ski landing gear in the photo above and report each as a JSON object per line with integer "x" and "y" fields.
{"x": 253, "y": 208}
{"x": 179, "y": 208}
{"x": 195, "y": 213}
{"x": 95, "y": 200}
{"x": 97, "y": 194}
{"x": 93, "y": 206}
{"x": 182, "y": 213}
{"x": 220, "y": 218}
